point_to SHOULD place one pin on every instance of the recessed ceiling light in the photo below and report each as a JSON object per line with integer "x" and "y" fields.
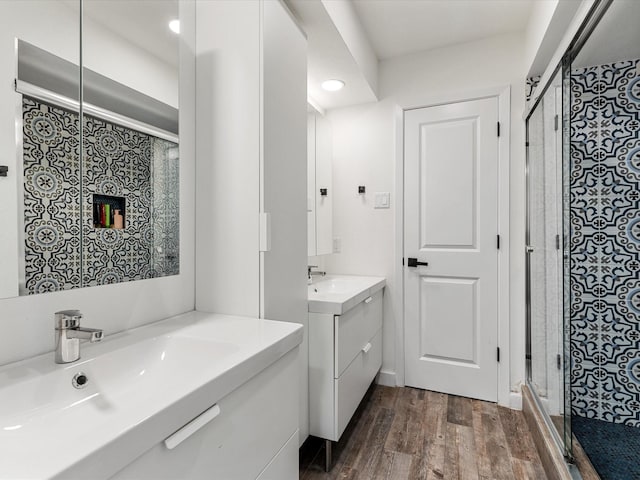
{"x": 332, "y": 85}
{"x": 174, "y": 25}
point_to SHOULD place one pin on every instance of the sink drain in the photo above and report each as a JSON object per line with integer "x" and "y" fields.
{"x": 80, "y": 380}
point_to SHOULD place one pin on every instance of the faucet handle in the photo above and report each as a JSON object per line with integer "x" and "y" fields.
{"x": 67, "y": 319}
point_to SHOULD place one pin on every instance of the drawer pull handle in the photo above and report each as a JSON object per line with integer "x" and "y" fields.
{"x": 368, "y": 300}
{"x": 192, "y": 427}
{"x": 366, "y": 348}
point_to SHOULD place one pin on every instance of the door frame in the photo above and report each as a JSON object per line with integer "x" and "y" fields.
{"x": 503, "y": 94}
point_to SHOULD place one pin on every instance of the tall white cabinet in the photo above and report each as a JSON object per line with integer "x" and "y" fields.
{"x": 251, "y": 173}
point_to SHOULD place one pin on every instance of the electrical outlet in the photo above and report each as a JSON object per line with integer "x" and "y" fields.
{"x": 337, "y": 244}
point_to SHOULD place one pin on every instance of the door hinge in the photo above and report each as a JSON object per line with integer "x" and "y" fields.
{"x": 498, "y": 242}
{"x": 555, "y": 123}
{"x": 498, "y": 128}
{"x": 557, "y": 242}
{"x": 403, "y": 261}
{"x": 498, "y": 353}
{"x": 559, "y": 361}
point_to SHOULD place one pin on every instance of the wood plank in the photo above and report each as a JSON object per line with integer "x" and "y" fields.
{"x": 400, "y": 467}
{"x": 429, "y": 462}
{"x": 484, "y": 466}
{"x": 382, "y": 470}
{"x": 460, "y": 411}
{"x": 452, "y": 453}
{"x": 467, "y": 456}
{"x": 385, "y": 397}
{"x": 515, "y": 427}
{"x": 407, "y": 432}
{"x": 367, "y": 464}
{"x": 496, "y": 443}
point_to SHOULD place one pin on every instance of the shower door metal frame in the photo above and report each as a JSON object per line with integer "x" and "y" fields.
{"x": 558, "y": 436}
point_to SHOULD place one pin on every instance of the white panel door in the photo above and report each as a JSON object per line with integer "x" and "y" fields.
{"x": 451, "y": 224}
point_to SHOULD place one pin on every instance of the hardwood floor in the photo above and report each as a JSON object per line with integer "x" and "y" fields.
{"x": 407, "y": 433}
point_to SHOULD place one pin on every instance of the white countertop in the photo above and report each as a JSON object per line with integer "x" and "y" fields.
{"x": 335, "y": 294}
{"x": 144, "y": 384}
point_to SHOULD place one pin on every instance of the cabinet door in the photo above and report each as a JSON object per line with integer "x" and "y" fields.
{"x": 354, "y": 329}
{"x": 254, "y": 423}
{"x": 284, "y": 272}
{"x": 354, "y": 382}
{"x": 285, "y": 465}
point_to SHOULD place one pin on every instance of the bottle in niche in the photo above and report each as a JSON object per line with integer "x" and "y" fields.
{"x": 118, "y": 220}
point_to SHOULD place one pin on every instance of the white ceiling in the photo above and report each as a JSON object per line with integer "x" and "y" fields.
{"x": 615, "y": 38}
{"x": 400, "y": 27}
{"x": 328, "y": 57}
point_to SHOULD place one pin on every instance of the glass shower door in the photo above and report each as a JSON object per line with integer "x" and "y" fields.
{"x": 544, "y": 252}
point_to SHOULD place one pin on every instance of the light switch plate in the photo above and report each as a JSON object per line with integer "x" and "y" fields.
{"x": 382, "y": 200}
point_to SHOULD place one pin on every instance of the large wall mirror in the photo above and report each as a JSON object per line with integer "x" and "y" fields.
{"x": 90, "y": 140}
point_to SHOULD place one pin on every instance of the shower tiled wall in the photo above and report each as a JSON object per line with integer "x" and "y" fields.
{"x": 605, "y": 242}
{"x": 117, "y": 162}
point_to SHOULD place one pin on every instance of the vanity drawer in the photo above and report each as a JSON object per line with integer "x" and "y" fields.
{"x": 354, "y": 329}
{"x": 254, "y": 423}
{"x": 354, "y": 382}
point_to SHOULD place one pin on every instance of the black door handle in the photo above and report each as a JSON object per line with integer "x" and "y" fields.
{"x": 413, "y": 262}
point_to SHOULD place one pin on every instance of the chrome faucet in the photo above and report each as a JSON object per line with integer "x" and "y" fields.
{"x": 69, "y": 333}
{"x": 311, "y": 272}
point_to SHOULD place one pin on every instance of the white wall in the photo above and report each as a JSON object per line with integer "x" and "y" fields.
{"x": 111, "y": 307}
{"x": 365, "y": 153}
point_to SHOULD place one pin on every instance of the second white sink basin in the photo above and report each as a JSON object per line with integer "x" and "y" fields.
{"x": 338, "y": 293}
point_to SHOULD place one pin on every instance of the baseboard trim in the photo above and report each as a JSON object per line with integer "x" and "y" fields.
{"x": 386, "y": 379}
{"x": 515, "y": 401}
{"x": 553, "y": 461}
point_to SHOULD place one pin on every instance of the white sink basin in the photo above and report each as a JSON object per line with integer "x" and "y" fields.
{"x": 338, "y": 293}
{"x": 143, "y": 384}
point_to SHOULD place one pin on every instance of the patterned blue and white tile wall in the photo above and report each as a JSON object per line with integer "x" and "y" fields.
{"x": 117, "y": 162}
{"x": 530, "y": 87}
{"x": 605, "y": 242}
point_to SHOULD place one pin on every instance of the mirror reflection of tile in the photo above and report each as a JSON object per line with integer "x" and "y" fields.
{"x": 63, "y": 247}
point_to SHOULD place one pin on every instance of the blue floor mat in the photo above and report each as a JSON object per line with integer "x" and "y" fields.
{"x": 613, "y": 448}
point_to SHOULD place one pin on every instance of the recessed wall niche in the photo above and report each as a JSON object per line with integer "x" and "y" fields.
{"x": 109, "y": 212}
{"x": 67, "y": 242}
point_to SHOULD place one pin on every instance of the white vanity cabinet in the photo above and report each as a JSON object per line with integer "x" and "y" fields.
{"x": 345, "y": 355}
{"x": 254, "y": 435}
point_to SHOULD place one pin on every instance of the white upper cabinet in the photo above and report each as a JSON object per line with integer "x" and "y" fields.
{"x": 319, "y": 186}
